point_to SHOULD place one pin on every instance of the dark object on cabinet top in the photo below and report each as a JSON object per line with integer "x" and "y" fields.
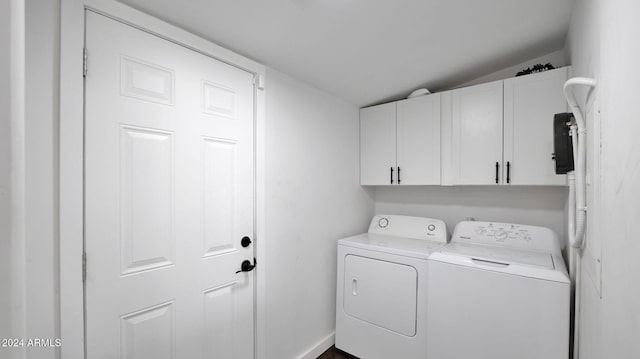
{"x": 536, "y": 68}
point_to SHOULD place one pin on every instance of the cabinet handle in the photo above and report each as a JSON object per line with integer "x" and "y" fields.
{"x": 391, "y": 168}
{"x": 508, "y": 172}
{"x": 497, "y": 170}
{"x": 398, "y": 174}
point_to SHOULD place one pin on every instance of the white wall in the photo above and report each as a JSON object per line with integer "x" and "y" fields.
{"x": 41, "y": 173}
{"x": 5, "y": 165}
{"x": 583, "y": 53}
{"x": 540, "y": 206}
{"x": 556, "y": 58}
{"x": 603, "y": 43}
{"x": 28, "y": 160}
{"x": 15, "y": 80}
{"x": 313, "y": 198}
{"x": 28, "y": 174}
{"x": 620, "y": 75}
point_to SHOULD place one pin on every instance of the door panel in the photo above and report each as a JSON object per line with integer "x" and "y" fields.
{"x": 378, "y": 144}
{"x": 218, "y": 189}
{"x": 168, "y": 196}
{"x": 419, "y": 140}
{"x": 530, "y": 103}
{"x": 149, "y": 333}
{"x": 147, "y": 238}
{"x": 477, "y": 134}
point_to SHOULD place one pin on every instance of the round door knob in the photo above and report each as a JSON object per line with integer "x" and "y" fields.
{"x": 245, "y": 241}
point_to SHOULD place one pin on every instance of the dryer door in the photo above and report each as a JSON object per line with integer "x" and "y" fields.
{"x": 381, "y": 293}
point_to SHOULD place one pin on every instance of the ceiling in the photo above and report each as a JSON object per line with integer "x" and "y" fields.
{"x": 370, "y": 51}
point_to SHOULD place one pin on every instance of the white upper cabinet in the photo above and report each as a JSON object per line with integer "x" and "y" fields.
{"x": 400, "y": 142}
{"x": 418, "y": 134}
{"x": 378, "y": 144}
{"x": 502, "y": 132}
{"x": 529, "y": 105}
{"x": 476, "y": 134}
{"x": 498, "y": 133}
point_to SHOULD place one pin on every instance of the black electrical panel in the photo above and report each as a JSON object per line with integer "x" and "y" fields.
{"x": 562, "y": 143}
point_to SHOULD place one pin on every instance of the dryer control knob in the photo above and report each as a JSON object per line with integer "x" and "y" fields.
{"x": 383, "y": 222}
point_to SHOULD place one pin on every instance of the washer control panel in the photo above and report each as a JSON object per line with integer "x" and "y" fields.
{"x": 409, "y": 227}
{"x": 505, "y": 234}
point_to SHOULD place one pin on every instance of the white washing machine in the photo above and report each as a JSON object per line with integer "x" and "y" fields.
{"x": 498, "y": 291}
{"x": 382, "y": 286}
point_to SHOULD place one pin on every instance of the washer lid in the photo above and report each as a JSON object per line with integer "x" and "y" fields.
{"x": 533, "y": 264}
{"x": 409, "y": 247}
{"x": 501, "y": 254}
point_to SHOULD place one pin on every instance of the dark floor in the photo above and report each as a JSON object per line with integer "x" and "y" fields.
{"x": 335, "y": 353}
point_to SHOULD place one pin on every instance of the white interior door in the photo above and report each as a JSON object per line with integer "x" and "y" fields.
{"x": 168, "y": 196}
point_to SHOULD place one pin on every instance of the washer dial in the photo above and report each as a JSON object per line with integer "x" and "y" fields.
{"x": 501, "y": 235}
{"x": 383, "y": 222}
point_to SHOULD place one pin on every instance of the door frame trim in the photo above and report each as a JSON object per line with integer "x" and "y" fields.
{"x": 71, "y": 206}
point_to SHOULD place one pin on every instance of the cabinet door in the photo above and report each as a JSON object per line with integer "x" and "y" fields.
{"x": 476, "y": 132}
{"x": 529, "y": 104}
{"x": 378, "y": 144}
{"x": 418, "y": 126}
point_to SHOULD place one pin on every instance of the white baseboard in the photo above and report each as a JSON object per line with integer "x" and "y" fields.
{"x": 319, "y": 348}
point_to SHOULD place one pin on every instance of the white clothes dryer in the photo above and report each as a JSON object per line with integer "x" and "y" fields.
{"x": 498, "y": 291}
{"x": 382, "y": 286}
